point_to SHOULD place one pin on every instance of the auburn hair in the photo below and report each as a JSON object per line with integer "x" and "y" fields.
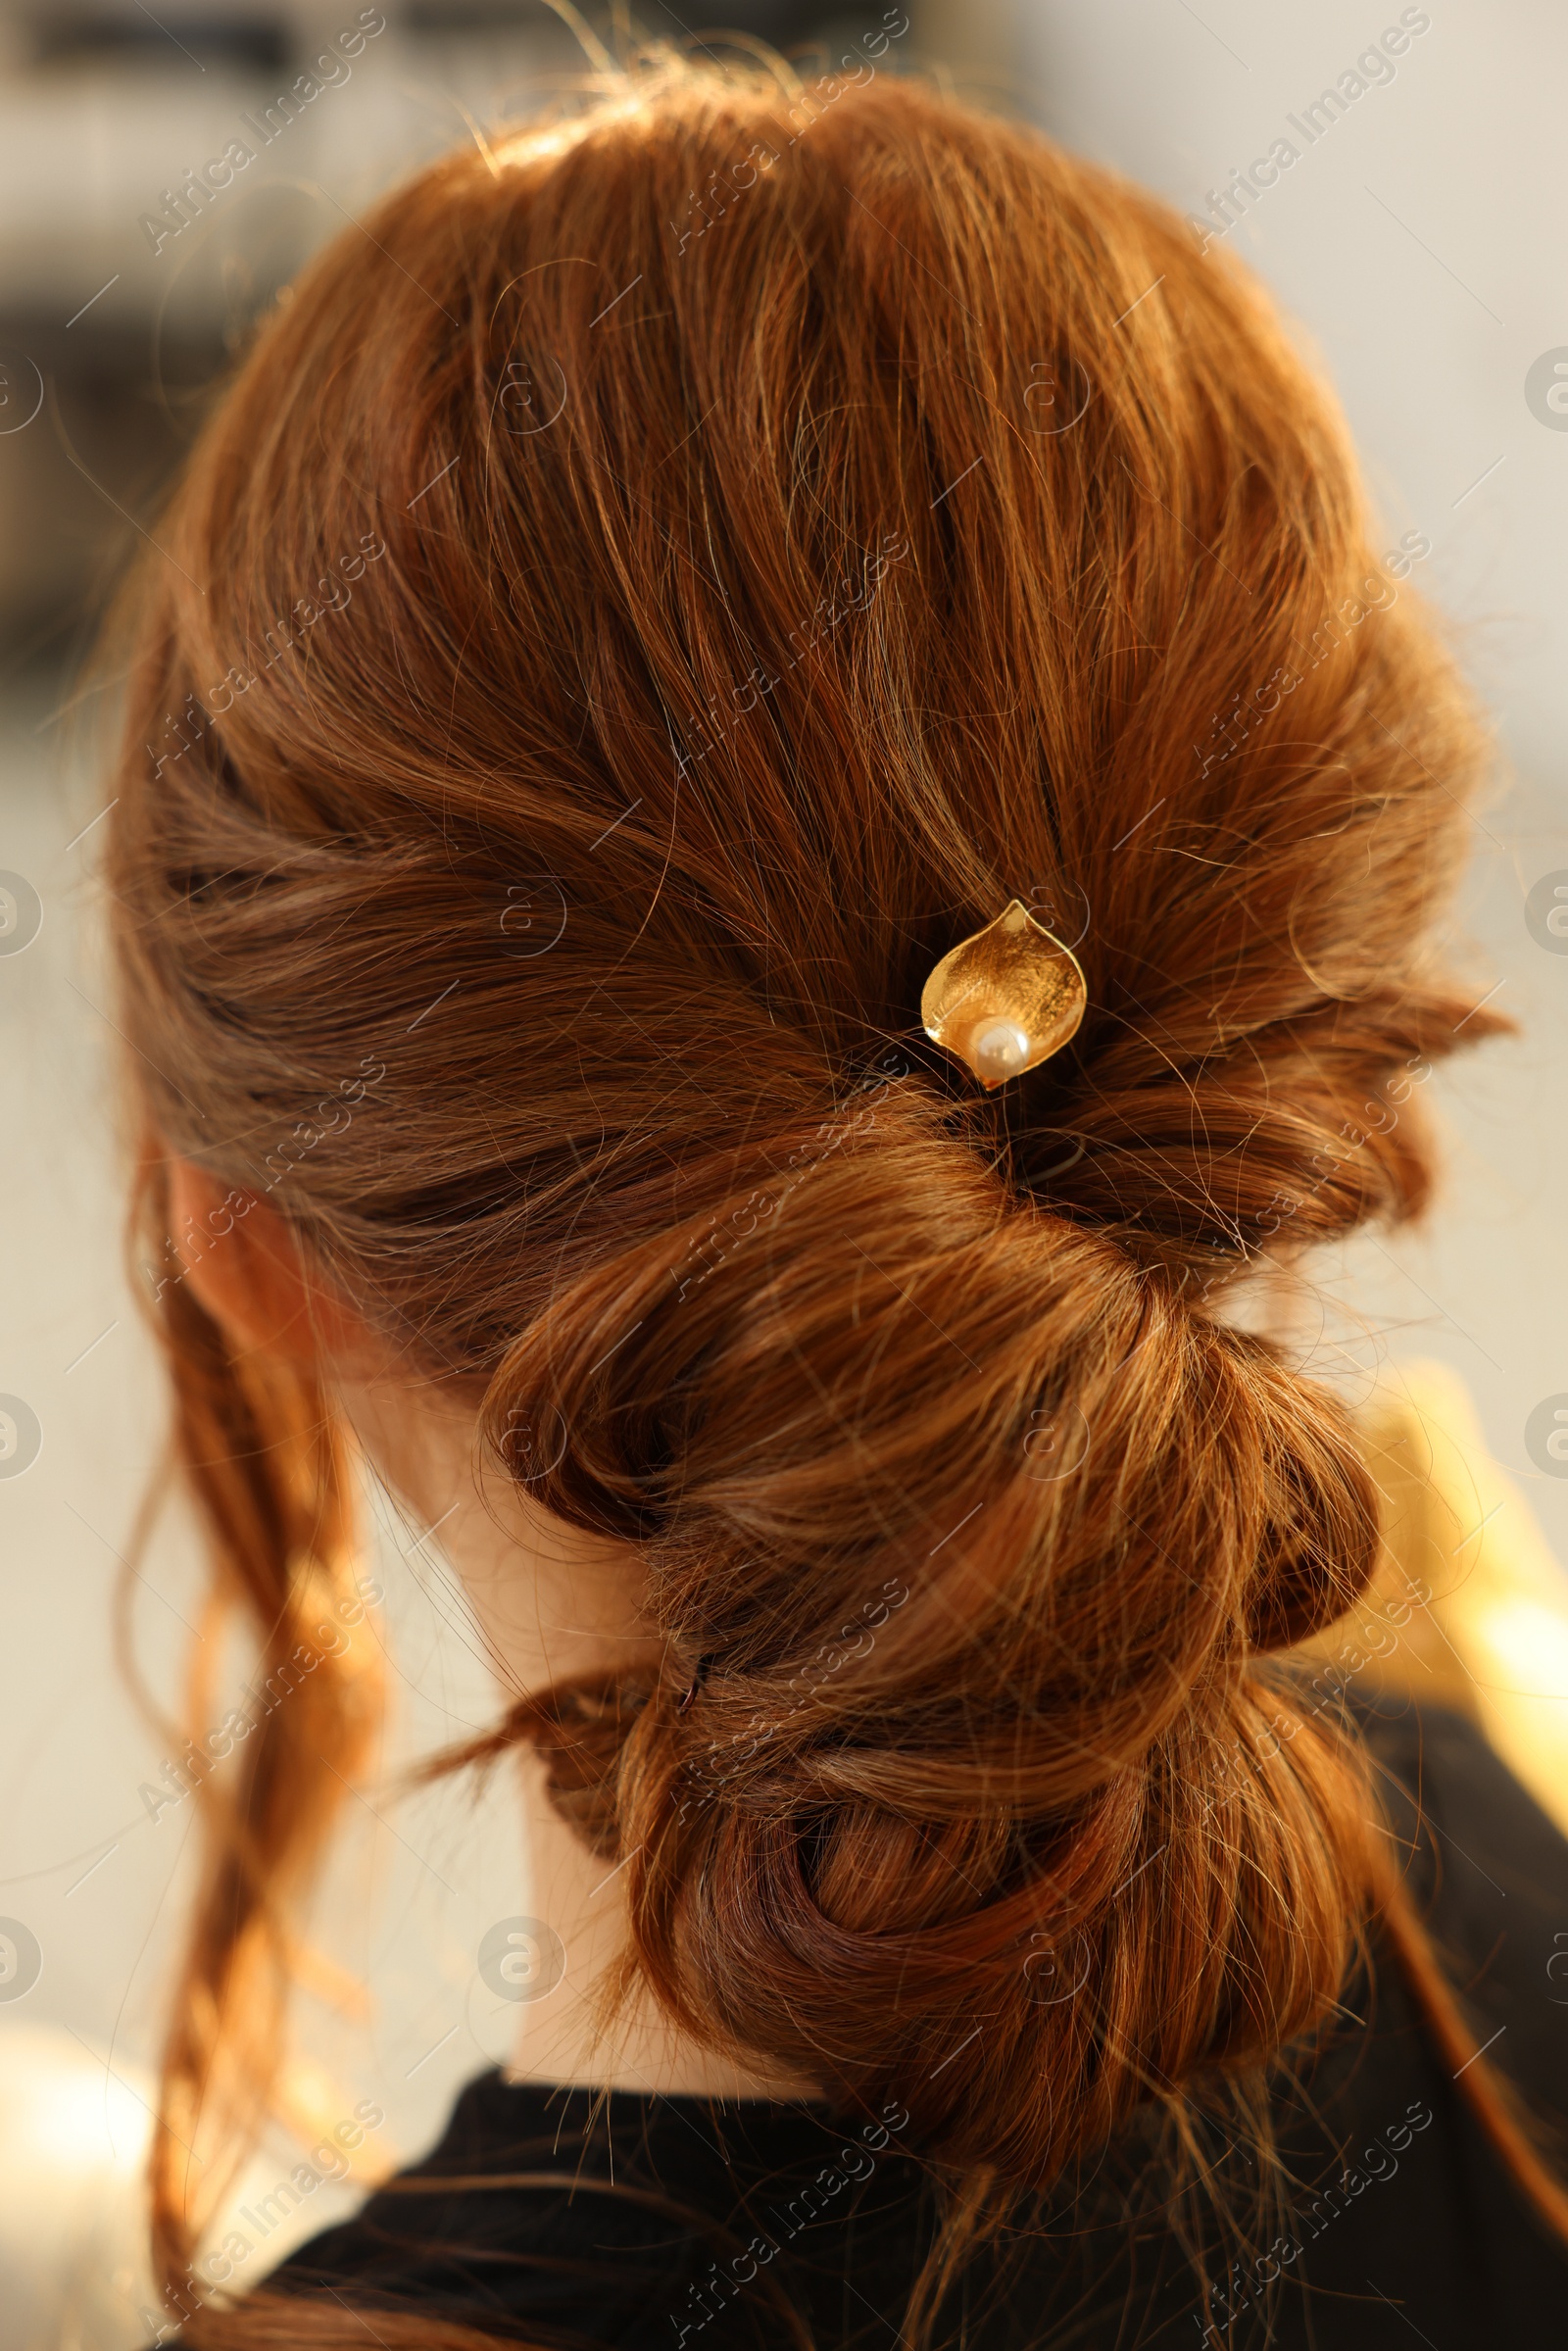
{"x": 650, "y": 591}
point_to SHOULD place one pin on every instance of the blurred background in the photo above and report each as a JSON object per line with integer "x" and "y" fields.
{"x": 1420, "y": 243}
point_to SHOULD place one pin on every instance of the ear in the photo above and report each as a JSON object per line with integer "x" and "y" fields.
{"x": 246, "y": 1268}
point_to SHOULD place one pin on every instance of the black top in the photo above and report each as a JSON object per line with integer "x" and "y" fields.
{"x": 671, "y": 2223}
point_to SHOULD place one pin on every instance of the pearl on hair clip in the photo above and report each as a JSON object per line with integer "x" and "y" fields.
{"x": 998, "y": 1049}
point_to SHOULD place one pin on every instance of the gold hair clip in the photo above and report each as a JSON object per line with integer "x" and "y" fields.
{"x": 1007, "y": 999}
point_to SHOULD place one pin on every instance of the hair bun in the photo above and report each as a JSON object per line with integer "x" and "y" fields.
{"x": 963, "y": 1699}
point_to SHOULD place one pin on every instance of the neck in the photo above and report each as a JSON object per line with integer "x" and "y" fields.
{"x": 552, "y": 1601}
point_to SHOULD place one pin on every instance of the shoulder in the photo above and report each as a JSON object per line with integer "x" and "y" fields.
{"x": 1398, "y": 2208}
{"x": 623, "y": 2221}
{"x": 1489, "y": 1871}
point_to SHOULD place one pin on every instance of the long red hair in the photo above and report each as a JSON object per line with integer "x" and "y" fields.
{"x": 655, "y": 587}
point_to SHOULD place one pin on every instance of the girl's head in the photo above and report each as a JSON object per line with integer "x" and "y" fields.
{"x": 656, "y": 586}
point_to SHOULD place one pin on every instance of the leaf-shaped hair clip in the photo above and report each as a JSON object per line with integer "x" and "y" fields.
{"x": 1007, "y": 999}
